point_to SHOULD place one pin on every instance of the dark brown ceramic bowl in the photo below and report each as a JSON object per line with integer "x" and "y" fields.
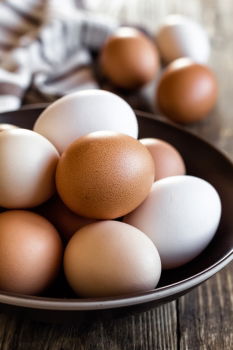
{"x": 203, "y": 160}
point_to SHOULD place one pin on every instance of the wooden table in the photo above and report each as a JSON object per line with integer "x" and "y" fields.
{"x": 203, "y": 318}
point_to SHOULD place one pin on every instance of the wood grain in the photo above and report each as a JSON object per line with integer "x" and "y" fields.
{"x": 143, "y": 331}
{"x": 205, "y": 315}
{"x": 203, "y": 318}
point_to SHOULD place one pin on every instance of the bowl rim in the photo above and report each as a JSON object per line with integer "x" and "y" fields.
{"x": 90, "y": 304}
{"x": 115, "y": 302}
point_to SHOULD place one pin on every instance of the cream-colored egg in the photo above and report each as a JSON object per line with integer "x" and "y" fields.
{"x": 111, "y": 258}
{"x": 83, "y": 112}
{"x": 180, "y": 36}
{"x": 5, "y": 126}
{"x": 28, "y": 162}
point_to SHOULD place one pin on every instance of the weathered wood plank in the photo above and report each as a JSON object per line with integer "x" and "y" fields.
{"x": 155, "y": 329}
{"x": 206, "y": 314}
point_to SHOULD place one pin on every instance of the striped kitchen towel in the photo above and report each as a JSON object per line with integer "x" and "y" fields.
{"x": 46, "y": 49}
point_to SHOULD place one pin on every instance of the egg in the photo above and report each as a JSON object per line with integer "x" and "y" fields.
{"x": 179, "y": 36}
{"x": 66, "y": 222}
{"x": 187, "y": 91}
{"x": 104, "y": 175}
{"x": 167, "y": 160}
{"x": 30, "y": 252}
{"x": 181, "y": 215}
{"x": 83, "y": 112}
{"x": 5, "y": 126}
{"x": 129, "y": 58}
{"x": 111, "y": 258}
{"x": 28, "y": 163}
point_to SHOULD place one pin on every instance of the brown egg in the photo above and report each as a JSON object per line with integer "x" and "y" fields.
{"x": 187, "y": 91}
{"x": 66, "y": 222}
{"x": 129, "y": 58}
{"x": 5, "y": 126}
{"x": 30, "y": 252}
{"x": 104, "y": 175}
{"x": 168, "y": 161}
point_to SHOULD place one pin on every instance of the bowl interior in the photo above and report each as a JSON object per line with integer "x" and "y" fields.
{"x": 201, "y": 160}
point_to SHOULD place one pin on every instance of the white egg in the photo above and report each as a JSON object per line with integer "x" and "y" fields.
{"x": 28, "y": 162}
{"x": 180, "y": 215}
{"x": 83, "y": 112}
{"x": 179, "y": 36}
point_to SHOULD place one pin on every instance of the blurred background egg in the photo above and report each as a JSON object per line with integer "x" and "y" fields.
{"x": 66, "y": 221}
{"x": 82, "y": 112}
{"x": 30, "y": 252}
{"x": 187, "y": 91}
{"x": 104, "y": 175}
{"x": 4, "y": 126}
{"x": 111, "y": 258}
{"x": 167, "y": 160}
{"x": 129, "y": 58}
{"x": 28, "y": 163}
{"x": 179, "y": 36}
{"x": 181, "y": 215}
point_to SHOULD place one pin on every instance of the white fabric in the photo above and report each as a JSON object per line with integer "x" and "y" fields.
{"x": 47, "y": 46}
{"x": 9, "y": 103}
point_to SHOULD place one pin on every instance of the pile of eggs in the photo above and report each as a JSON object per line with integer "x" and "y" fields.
{"x": 186, "y": 87}
{"x": 82, "y": 193}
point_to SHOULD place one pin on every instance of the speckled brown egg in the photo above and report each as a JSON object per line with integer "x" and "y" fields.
{"x": 129, "y": 58}
{"x": 104, "y": 175}
{"x": 187, "y": 91}
{"x": 30, "y": 252}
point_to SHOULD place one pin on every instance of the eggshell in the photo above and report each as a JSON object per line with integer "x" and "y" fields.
{"x": 181, "y": 215}
{"x": 111, "y": 258}
{"x": 129, "y": 58}
{"x": 82, "y": 112}
{"x": 167, "y": 160}
{"x": 28, "y": 164}
{"x": 30, "y": 252}
{"x": 104, "y": 175}
{"x": 180, "y": 36}
{"x": 187, "y": 91}
{"x": 4, "y": 126}
{"x": 66, "y": 222}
